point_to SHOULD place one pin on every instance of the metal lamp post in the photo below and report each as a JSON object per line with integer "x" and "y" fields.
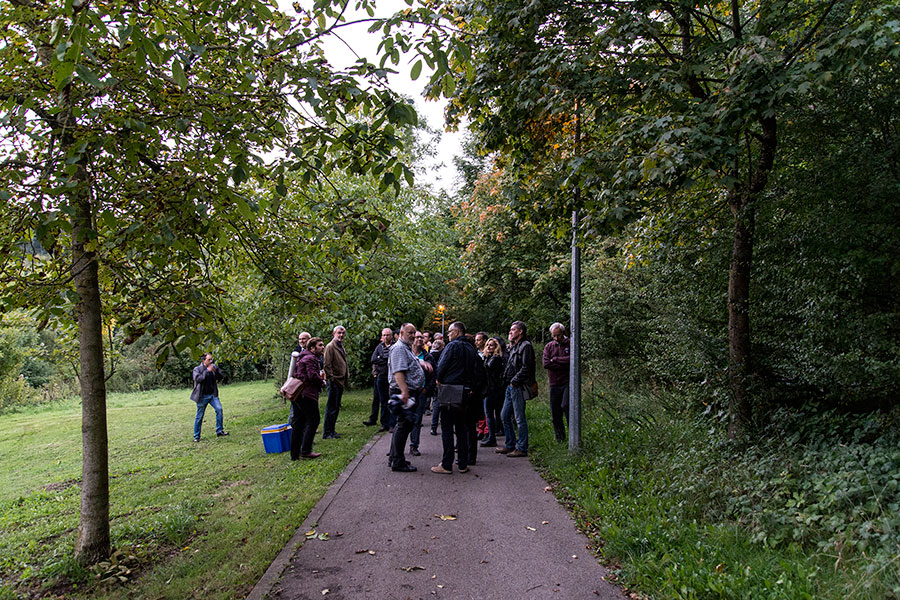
{"x": 441, "y": 309}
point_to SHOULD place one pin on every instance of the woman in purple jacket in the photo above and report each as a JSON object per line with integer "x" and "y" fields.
{"x": 306, "y": 407}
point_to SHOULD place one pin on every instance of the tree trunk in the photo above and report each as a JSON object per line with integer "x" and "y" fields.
{"x": 92, "y": 544}
{"x": 739, "y": 355}
{"x": 741, "y": 202}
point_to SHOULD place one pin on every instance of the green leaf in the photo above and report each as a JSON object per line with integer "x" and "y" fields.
{"x": 62, "y": 76}
{"x": 416, "y": 70}
{"x": 238, "y": 174}
{"x": 89, "y": 76}
{"x": 178, "y": 75}
{"x": 448, "y": 85}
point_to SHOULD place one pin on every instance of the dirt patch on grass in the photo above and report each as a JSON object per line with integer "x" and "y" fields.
{"x": 60, "y": 485}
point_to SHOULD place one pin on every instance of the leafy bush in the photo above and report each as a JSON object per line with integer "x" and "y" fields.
{"x": 810, "y": 510}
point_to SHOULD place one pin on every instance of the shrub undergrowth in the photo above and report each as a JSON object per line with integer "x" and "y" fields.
{"x": 809, "y": 509}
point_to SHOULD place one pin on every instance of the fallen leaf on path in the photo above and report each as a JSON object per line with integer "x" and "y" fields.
{"x": 325, "y": 591}
{"x": 363, "y": 551}
{"x": 440, "y": 586}
{"x": 412, "y": 568}
{"x": 310, "y": 533}
{"x": 530, "y": 528}
{"x": 446, "y": 517}
{"x": 372, "y": 552}
{"x": 545, "y": 522}
{"x": 548, "y": 488}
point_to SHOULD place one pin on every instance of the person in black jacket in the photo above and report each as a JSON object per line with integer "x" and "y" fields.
{"x": 519, "y": 378}
{"x": 459, "y": 366}
{"x": 437, "y": 346}
{"x": 380, "y": 393}
{"x": 494, "y": 364}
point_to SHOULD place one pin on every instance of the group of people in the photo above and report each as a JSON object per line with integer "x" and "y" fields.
{"x": 474, "y": 386}
{"x": 474, "y": 383}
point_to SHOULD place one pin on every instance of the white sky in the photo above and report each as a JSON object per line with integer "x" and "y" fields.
{"x": 440, "y": 171}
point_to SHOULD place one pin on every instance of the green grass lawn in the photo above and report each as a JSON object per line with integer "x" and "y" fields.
{"x": 190, "y": 520}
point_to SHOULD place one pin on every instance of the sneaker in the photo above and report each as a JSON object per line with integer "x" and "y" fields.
{"x": 368, "y": 423}
{"x": 440, "y": 469}
{"x": 516, "y": 454}
{"x": 434, "y": 432}
{"x": 464, "y": 470}
{"x": 221, "y": 434}
{"x": 331, "y": 436}
{"x": 196, "y": 439}
{"x": 311, "y": 455}
{"x": 404, "y": 468}
{"x": 488, "y": 444}
{"x": 502, "y": 450}
{"x": 414, "y": 451}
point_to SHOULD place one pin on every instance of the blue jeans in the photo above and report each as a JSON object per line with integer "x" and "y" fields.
{"x": 201, "y": 410}
{"x": 514, "y": 405}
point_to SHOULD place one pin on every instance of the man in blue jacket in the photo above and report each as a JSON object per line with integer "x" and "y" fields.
{"x": 206, "y": 391}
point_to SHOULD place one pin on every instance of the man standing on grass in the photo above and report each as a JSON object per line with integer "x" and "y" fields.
{"x": 206, "y": 391}
{"x": 556, "y": 362}
{"x": 338, "y": 376}
{"x": 381, "y": 378}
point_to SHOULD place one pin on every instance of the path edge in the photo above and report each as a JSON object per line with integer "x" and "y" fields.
{"x": 273, "y": 574}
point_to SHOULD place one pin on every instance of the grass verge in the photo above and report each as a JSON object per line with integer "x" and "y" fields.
{"x": 810, "y": 510}
{"x": 188, "y": 520}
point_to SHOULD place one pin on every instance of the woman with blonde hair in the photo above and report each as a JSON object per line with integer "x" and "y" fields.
{"x": 494, "y": 364}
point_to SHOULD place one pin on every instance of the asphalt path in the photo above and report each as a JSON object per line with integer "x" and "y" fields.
{"x": 496, "y": 532}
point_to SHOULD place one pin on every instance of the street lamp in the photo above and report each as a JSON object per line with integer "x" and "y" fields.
{"x": 441, "y": 310}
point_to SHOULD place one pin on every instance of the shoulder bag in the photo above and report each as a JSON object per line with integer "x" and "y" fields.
{"x": 450, "y": 395}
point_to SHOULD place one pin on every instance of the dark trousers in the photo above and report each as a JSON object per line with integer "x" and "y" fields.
{"x": 304, "y": 420}
{"x": 415, "y": 434}
{"x": 403, "y": 424}
{"x": 454, "y": 420}
{"x": 335, "y": 392}
{"x": 384, "y": 394}
{"x": 559, "y": 408}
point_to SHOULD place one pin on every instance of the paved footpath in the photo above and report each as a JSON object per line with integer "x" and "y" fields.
{"x": 492, "y": 533}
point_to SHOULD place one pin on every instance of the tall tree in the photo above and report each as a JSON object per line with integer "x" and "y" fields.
{"x": 680, "y": 100}
{"x": 129, "y": 131}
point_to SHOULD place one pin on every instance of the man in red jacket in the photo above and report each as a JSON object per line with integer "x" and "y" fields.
{"x": 556, "y": 362}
